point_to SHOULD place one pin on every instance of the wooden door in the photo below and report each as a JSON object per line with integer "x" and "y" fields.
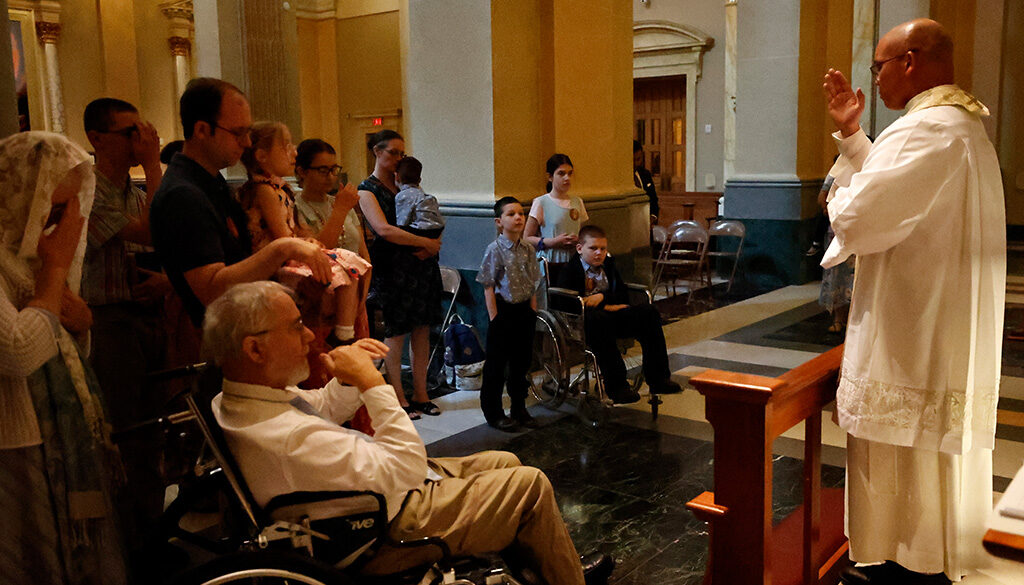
{"x": 659, "y": 124}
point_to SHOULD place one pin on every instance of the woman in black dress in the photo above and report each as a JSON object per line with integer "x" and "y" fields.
{"x": 406, "y": 282}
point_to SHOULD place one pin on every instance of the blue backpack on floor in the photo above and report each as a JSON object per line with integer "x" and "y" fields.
{"x": 463, "y": 356}
{"x": 462, "y": 345}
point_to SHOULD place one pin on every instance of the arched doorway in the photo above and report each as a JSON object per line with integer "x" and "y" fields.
{"x": 667, "y": 59}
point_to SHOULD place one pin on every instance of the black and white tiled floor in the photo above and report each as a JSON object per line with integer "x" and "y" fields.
{"x": 623, "y": 486}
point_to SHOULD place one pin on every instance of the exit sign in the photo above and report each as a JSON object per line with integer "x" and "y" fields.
{"x": 378, "y": 121}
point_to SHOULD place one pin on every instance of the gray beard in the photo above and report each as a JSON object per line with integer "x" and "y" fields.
{"x": 299, "y": 375}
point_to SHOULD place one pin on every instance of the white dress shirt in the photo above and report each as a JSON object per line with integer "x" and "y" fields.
{"x": 281, "y": 449}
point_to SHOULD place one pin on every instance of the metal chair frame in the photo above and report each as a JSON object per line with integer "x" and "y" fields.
{"x": 673, "y": 257}
{"x": 726, "y": 228}
{"x": 451, "y": 283}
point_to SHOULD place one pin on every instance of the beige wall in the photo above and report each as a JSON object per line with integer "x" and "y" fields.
{"x": 157, "y": 100}
{"x": 593, "y": 93}
{"x": 522, "y": 91}
{"x": 369, "y": 82}
{"x": 81, "y": 64}
{"x": 318, "y": 79}
{"x": 821, "y": 47}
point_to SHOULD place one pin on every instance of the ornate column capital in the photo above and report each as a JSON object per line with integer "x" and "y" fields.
{"x": 180, "y": 46}
{"x": 48, "y": 32}
{"x": 177, "y": 9}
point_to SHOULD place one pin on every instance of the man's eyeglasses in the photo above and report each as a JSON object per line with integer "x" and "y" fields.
{"x": 126, "y": 132}
{"x": 876, "y": 66}
{"x": 297, "y": 326}
{"x": 327, "y": 171}
{"x": 395, "y": 152}
{"x": 239, "y": 133}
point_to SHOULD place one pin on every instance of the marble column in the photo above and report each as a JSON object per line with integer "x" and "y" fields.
{"x": 729, "y": 124}
{"x": 521, "y": 81}
{"x": 8, "y": 95}
{"x": 777, "y": 148}
{"x": 48, "y": 33}
{"x": 180, "y": 49}
{"x": 271, "y": 58}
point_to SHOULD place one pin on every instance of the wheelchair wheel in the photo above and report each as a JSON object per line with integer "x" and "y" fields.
{"x": 264, "y": 568}
{"x": 549, "y": 377}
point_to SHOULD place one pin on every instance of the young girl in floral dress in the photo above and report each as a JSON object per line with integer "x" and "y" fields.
{"x": 270, "y": 205}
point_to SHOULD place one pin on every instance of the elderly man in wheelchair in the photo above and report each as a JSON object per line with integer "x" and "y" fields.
{"x": 287, "y": 440}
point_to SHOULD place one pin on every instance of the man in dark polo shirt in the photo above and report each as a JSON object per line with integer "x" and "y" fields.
{"x": 199, "y": 230}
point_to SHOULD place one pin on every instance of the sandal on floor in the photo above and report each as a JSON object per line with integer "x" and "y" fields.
{"x": 428, "y": 408}
{"x": 411, "y": 410}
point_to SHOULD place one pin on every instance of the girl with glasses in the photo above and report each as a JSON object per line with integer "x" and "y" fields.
{"x": 329, "y": 213}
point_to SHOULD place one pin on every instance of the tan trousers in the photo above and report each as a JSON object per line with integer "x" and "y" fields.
{"x": 485, "y": 503}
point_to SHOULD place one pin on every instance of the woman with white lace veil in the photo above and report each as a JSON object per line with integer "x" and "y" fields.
{"x": 56, "y": 459}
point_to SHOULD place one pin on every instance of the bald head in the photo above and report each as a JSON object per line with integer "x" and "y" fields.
{"x": 921, "y": 52}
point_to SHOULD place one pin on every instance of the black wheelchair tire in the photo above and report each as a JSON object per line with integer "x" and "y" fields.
{"x": 549, "y": 372}
{"x": 264, "y": 567}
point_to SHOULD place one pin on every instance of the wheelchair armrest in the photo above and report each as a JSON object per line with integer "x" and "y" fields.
{"x": 565, "y": 300}
{"x": 639, "y": 294}
{"x": 348, "y": 502}
{"x": 334, "y": 526}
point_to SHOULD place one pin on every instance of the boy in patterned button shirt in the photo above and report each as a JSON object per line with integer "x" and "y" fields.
{"x": 510, "y": 275}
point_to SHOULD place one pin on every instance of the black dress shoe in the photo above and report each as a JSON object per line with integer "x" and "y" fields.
{"x": 884, "y": 574}
{"x": 623, "y": 395}
{"x": 524, "y": 418}
{"x": 597, "y": 567}
{"x": 666, "y": 386}
{"x": 505, "y": 424}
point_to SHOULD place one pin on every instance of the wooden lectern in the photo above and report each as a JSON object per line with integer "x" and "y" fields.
{"x": 748, "y": 413}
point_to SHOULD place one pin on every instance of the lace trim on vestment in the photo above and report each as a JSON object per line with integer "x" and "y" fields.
{"x": 919, "y": 411}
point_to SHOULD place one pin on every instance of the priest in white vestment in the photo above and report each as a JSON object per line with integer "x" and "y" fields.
{"x": 922, "y": 209}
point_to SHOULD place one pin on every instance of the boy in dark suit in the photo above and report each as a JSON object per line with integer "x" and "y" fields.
{"x": 609, "y": 316}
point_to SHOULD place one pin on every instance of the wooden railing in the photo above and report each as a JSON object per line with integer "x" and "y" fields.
{"x": 748, "y": 413}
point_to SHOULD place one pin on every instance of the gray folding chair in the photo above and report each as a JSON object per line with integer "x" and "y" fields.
{"x": 684, "y": 253}
{"x": 721, "y": 229}
{"x": 451, "y": 282}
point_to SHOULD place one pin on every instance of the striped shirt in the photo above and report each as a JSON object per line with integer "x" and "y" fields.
{"x": 105, "y": 274}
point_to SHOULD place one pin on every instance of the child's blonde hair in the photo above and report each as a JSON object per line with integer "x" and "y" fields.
{"x": 262, "y": 136}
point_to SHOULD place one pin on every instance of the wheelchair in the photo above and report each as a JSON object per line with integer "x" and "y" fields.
{"x": 563, "y": 368}
{"x": 311, "y": 538}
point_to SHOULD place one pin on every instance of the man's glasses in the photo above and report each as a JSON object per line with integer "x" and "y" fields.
{"x": 327, "y": 171}
{"x": 395, "y": 152}
{"x": 876, "y": 66}
{"x": 296, "y": 326}
{"x": 126, "y": 132}
{"x": 239, "y": 133}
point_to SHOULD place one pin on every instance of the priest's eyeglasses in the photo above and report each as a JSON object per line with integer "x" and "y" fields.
{"x": 876, "y": 66}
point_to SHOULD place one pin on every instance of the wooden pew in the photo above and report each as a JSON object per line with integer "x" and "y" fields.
{"x": 748, "y": 413}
